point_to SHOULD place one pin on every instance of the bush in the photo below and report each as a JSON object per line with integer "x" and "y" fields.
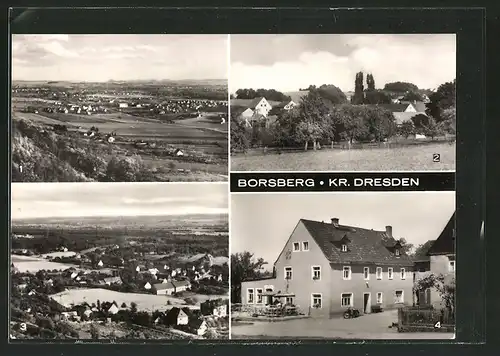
{"x": 128, "y": 169}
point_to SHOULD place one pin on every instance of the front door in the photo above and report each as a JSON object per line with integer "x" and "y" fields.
{"x": 367, "y": 307}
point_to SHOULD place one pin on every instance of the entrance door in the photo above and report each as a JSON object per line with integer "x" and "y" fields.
{"x": 367, "y": 303}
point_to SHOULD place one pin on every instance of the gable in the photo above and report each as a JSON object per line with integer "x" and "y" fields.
{"x": 445, "y": 243}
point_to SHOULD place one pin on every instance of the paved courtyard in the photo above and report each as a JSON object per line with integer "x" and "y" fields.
{"x": 370, "y": 326}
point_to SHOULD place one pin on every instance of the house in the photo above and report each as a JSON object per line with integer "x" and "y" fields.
{"x": 442, "y": 258}
{"x": 100, "y": 264}
{"x": 181, "y": 286}
{"x": 217, "y": 307}
{"x": 123, "y": 105}
{"x": 177, "y": 316}
{"x": 113, "y": 309}
{"x": 147, "y": 286}
{"x": 197, "y": 326}
{"x": 405, "y": 111}
{"x": 112, "y": 280}
{"x": 324, "y": 268}
{"x": 258, "y": 105}
{"x": 165, "y": 288}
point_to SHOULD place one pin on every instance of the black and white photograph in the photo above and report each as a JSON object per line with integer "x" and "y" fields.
{"x": 343, "y": 265}
{"x": 119, "y": 261}
{"x": 119, "y": 108}
{"x": 342, "y": 102}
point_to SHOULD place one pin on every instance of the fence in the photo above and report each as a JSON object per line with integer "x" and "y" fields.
{"x": 422, "y": 319}
{"x": 248, "y": 310}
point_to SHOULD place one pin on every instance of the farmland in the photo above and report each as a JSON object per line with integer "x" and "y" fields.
{"x": 411, "y": 157}
{"x": 34, "y": 264}
{"x": 148, "y": 128}
{"x": 145, "y": 302}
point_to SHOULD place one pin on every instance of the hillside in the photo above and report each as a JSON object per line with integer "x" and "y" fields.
{"x": 40, "y": 154}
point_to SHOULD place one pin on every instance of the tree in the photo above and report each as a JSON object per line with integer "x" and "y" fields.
{"x": 332, "y": 94}
{"x": 442, "y": 99}
{"x": 420, "y": 121}
{"x": 314, "y": 119}
{"x": 240, "y": 135}
{"x": 349, "y": 123}
{"x": 431, "y": 129}
{"x": 376, "y": 97}
{"x": 406, "y": 129}
{"x": 445, "y": 286}
{"x": 244, "y": 267}
{"x": 405, "y": 246}
{"x": 449, "y": 121}
{"x": 370, "y": 82}
{"x": 421, "y": 250}
{"x": 133, "y": 307}
{"x": 412, "y": 96}
{"x": 400, "y": 87}
{"x": 359, "y": 96}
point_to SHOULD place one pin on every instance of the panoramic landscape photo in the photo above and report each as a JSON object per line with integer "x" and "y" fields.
{"x": 119, "y": 261}
{"x": 343, "y": 102}
{"x": 119, "y": 108}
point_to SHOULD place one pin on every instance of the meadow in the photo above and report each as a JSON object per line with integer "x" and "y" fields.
{"x": 145, "y": 302}
{"x": 404, "y": 158}
{"x": 203, "y": 140}
{"x": 28, "y": 264}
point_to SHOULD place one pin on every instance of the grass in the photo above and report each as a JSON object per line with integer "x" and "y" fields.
{"x": 33, "y": 264}
{"x": 205, "y": 148}
{"x": 145, "y": 302}
{"x": 406, "y": 158}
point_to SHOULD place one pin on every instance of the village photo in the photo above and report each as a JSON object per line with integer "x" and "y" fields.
{"x": 119, "y": 261}
{"x": 343, "y": 265}
{"x": 119, "y": 108}
{"x": 342, "y": 102}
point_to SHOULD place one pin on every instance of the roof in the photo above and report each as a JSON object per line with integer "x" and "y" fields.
{"x": 445, "y": 243}
{"x": 394, "y": 107}
{"x": 419, "y": 106}
{"x": 364, "y": 246}
{"x": 247, "y": 103}
{"x": 163, "y": 286}
{"x": 405, "y": 116}
{"x": 195, "y": 323}
{"x": 181, "y": 283}
{"x": 297, "y": 95}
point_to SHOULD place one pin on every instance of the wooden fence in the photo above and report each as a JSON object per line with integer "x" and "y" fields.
{"x": 420, "y": 319}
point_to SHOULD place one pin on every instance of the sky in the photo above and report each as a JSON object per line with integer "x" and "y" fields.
{"x": 262, "y": 223}
{"x": 290, "y": 62}
{"x": 99, "y": 58}
{"x": 39, "y": 200}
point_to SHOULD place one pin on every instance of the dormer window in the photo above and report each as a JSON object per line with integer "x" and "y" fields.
{"x": 397, "y": 252}
{"x": 344, "y": 248}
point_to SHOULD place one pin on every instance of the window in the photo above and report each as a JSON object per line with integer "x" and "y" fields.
{"x": 346, "y": 273}
{"x": 316, "y": 301}
{"x": 296, "y": 247}
{"x": 259, "y": 295}
{"x": 288, "y": 272}
{"x": 344, "y": 248}
{"x": 305, "y": 246}
{"x": 390, "y": 273}
{"x": 403, "y": 273}
{"x": 316, "y": 272}
{"x": 379, "y": 298}
{"x": 346, "y": 300}
{"x": 289, "y": 300}
{"x": 366, "y": 273}
{"x": 250, "y": 296}
{"x": 398, "y": 297}
{"x": 451, "y": 266}
{"x": 379, "y": 272}
{"x": 397, "y": 252}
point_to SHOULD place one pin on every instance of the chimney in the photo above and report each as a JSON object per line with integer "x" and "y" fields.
{"x": 335, "y": 221}
{"x": 388, "y": 230}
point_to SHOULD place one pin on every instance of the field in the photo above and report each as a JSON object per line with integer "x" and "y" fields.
{"x": 203, "y": 140}
{"x": 405, "y": 158}
{"x": 145, "y": 302}
{"x": 34, "y": 264}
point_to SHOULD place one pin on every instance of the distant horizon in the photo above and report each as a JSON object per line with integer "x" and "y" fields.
{"x": 119, "y": 216}
{"x": 120, "y": 80}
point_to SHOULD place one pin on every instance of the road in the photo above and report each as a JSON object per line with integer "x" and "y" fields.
{"x": 372, "y": 326}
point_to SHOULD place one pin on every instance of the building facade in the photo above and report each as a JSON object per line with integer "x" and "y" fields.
{"x": 324, "y": 268}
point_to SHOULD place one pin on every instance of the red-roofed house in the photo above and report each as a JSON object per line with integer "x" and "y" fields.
{"x": 324, "y": 268}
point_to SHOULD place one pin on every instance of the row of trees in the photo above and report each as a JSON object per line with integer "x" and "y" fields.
{"x": 324, "y": 116}
{"x": 269, "y": 94}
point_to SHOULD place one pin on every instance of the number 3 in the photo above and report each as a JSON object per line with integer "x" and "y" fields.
{"x": 437, "y": 325}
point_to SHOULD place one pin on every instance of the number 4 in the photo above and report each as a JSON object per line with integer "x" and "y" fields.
{"x": 437, "y": 325}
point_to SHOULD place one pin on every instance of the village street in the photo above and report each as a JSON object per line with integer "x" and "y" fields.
{"x": 371, "y": 326}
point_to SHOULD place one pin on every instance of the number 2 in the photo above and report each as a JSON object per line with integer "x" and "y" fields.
{"x": 437, "y": 325}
